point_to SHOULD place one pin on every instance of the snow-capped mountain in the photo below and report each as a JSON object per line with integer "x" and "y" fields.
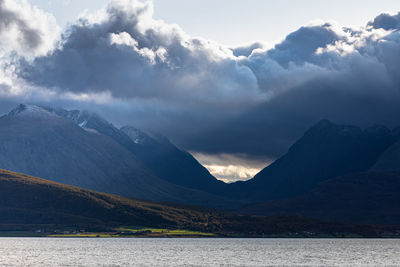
{"x": 154, "y": 151}
{"x": 82, "y": 149}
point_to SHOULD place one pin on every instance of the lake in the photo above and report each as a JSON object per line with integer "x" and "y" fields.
{"x": 198, "y": 252}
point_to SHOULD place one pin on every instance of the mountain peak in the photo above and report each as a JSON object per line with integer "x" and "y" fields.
{"x": 326, "y": 127}
{"x": 324, "y": 123}
{"x": 326, "y": 150}
{"x": 23, "y": 110}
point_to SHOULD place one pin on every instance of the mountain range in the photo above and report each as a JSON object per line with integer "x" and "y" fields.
{"x": 333, "y": 172}
{"x": 82, "y": 149}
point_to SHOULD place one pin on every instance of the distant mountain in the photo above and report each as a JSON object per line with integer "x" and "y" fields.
{"x": 30, "y": 203}
{"x": 84, "y": 150}
{"x": 155, "y": 152}
{"x": 327, "y": 150}
{"x": 371, "y": 197}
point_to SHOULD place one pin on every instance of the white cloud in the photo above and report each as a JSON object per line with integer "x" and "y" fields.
{"x": 25, "y": 29}
{"x": 232, "y": 167}
{"x": 232, "y": 173}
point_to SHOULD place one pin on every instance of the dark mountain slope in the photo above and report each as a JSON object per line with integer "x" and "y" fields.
{"x": 371, "y": 197}
{"x": 25, "y": 200}
{"x": 325, "y": 151}
{"x": 156, "y": 153}
{"x": 389, "y": 160}
{"x": 41, "y": 143}
{"x": 58, "y": 203}
{"x": 172, "y": 164}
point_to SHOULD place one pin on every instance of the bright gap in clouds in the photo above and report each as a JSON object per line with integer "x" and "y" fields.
{"x": 232, "y": 173}
{"x": 231, "y": 168}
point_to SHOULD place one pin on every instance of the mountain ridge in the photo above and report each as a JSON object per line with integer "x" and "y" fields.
{"x": 325, "y": 151}
{"x": 55, "y": 147}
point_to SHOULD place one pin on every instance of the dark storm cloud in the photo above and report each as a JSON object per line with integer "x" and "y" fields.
{"x": 386, "y": 21}
{"x": 317, "y": 72}
{"x": 133, "y": 56}
{"x": 212, "y": 99}
{"x": 269, "y": 129}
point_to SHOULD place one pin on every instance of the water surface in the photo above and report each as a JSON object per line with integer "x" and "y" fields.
{"x": 198, "y": 252}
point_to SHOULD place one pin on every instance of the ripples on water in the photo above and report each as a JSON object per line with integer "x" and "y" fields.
{"x": 198, "y": 252}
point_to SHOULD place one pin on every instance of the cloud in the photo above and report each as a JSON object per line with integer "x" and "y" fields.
{"x": 386, "y": 21}
{"x": 210, "y": 98}
{"x": 247, "y": 50}
{"x": 320, "y": 71}
{"x": 126, "y": 52}
{"x": 300, "y": 46}
{"x": 26, "y": 29}
{"x": 232, "y": 173}
{"x": 232, "y": 167}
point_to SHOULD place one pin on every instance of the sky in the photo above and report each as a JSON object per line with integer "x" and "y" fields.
{"x": 236, "y": 83}
{"x": 238, "y": 22}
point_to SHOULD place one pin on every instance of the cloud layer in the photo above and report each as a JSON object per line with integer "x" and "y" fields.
{"x": 125, "y": 52}
{"x": 204, "y": 96}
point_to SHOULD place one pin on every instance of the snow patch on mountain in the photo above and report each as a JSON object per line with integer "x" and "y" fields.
{"x": 27, "y": 111}
{"x": 137, "y": 136}
{"x": 79, "y": 117}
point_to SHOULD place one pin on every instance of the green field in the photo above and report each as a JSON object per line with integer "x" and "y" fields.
{"x": 139, "y": 232}
{"x": 164, "y": 232}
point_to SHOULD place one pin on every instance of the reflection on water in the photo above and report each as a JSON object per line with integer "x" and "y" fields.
{"x": 198, "y": 252}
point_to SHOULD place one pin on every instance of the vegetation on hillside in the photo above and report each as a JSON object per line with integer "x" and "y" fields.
{"x": 28, "y": 203}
